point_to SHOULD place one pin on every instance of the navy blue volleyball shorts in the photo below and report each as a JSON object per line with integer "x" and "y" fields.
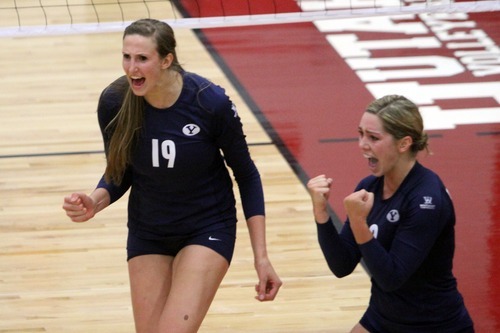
{"x": 221, "y": 241}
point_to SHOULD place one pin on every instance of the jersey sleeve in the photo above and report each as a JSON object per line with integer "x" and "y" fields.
{"x": 110, "y": 102}
{"x": 339, "y": 249}
{"x": 422, "y": 223}
{"x": 231, "y": 139}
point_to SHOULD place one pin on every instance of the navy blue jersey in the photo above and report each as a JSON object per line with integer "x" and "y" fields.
{"x": 410, "y": 258}
{"x": 178, "y": 179}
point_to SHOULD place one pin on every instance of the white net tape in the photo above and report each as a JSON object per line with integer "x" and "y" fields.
{"x": 116, "y": 17}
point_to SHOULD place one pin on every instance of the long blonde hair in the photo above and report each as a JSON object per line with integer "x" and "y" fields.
{"x": 127, "y": 124}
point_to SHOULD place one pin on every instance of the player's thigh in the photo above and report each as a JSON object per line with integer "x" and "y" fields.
{"x": 197, "y": 274}
{"x": 150, "y": 281}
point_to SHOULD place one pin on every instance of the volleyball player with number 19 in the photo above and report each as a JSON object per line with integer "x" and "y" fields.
{"x": 164, "y": 130}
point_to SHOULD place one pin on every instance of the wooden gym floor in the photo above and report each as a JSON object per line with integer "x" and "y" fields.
{"x": 57, "y": 276}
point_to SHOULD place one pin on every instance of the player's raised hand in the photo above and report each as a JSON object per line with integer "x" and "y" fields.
{"x": 319, "y": 190}
{"x": 358, "y": 205}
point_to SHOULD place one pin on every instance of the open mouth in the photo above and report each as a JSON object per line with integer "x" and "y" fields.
{"x": 137, "y": 82}
{"x": 372, "y": 161}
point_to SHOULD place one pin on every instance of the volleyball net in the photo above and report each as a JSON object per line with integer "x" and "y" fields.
{"x": 52, "y": 17}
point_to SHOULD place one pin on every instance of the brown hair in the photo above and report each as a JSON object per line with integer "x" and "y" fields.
{"x": 127, "y": 124}
{"x": 400, "y": 118}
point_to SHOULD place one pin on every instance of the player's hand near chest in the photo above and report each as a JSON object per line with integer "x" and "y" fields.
{"x": 358, "y": 205}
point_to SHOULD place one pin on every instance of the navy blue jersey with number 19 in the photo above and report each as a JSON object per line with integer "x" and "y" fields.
{"x": 178, "y": 179}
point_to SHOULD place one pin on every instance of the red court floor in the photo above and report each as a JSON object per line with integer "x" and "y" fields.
{"x": 308, "y": 84}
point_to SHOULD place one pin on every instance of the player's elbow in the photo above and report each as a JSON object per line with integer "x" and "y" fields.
{"x": 340, "y": 271}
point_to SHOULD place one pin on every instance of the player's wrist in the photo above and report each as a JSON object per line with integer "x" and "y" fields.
{"x": 321, "y": 216}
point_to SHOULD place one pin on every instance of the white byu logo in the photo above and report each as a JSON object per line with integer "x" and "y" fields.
{"x": 191, "y": 129}
{"x": 167, "y": 152}
{"x": 393, "y": 216}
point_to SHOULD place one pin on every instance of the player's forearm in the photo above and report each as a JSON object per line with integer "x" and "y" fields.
{"x": 257, "y": 229}
{"x": 320, "y": 214}
{"x": 101, "y": 199}
{"x": 361, "y": 232}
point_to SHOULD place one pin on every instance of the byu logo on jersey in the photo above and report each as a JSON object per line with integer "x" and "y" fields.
{"x": 191, "y": 129}
{"x": 393, "y": 216}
